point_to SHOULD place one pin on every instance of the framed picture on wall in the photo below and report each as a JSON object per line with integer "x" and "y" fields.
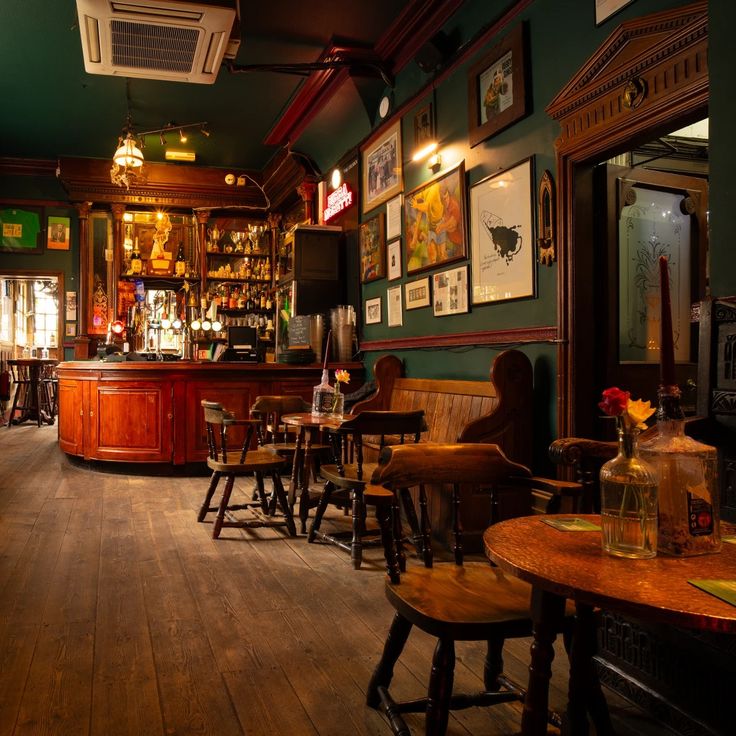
{"x": 497, "y": 88}
{"x": 450, "y": 291}
{"x": 21, "y": 229}
{"x": 372, "y": 249}
{"x": 393, "y": 306}
{"x": 502, "y": 241}
{"x": 434, "y": 221}
{"x": 57, "y": 232}
{"x": 382, "y": 170}
{"x": 417, "y": 293}
{"x": 373, "y": 311}
{"x": 394, "y": 260}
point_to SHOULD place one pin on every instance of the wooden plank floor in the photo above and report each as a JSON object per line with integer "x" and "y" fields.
{"x": 119, "y": 614}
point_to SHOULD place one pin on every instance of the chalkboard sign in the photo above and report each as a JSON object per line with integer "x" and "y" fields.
{"x": 299, "y": 331}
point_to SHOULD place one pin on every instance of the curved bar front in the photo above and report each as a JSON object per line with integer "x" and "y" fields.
{"x": 149, "y": 412}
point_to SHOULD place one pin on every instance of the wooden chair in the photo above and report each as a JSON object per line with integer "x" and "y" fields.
{"x": 275, "y": 436}
{"x": 453, "y": 601}
{"x": 245, "y": 461}
{"x": 348, "y": 478}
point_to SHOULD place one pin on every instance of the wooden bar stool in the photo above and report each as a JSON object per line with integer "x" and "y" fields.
{"x": 454, "y": 601}
{"x": 231, "y": 464}
{"x": 348, "y": 477}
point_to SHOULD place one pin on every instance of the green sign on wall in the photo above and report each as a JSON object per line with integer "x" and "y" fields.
{"x": 20, "y": 229}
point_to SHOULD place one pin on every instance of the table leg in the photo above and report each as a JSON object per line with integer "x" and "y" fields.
{"x": 547, "y": 614}
{"x": 304, "y": 470}
{"x": 584, "y": 693}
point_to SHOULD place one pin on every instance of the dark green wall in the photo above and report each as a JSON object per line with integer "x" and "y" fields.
{"x": 45, "y": 189}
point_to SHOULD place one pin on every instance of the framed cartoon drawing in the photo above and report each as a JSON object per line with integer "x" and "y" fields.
{"x": 373, "y": 311}
{"x": 502, "y": 235}
{"x": 497, "y": 88}
{"x": 372, "y": 249}
{"x": 382, "y": 169}
{"x": 434, "y": 221}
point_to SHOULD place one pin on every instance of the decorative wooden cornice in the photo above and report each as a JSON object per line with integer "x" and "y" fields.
{"x": 417, "y": 23}
{"x": 27, "y": 166}
{"x": 166, "y": 185}
{"x": 514, "y": 336}
{"x": 282, "y": 175}
{"x": 632, "y": 72}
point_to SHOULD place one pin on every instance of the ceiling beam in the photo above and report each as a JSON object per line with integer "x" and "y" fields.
{"x": 418, "y": 22}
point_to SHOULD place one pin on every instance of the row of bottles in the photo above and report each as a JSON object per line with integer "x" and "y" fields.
{"x": 249, "y": 298}
{"x": 247, "y": 270}
{"x": 137, "y": 266}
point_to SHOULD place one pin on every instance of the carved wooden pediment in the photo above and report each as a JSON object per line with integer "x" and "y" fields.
{"x": 633, "y": 75}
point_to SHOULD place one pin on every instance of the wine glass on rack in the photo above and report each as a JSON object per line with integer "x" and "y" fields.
{"x": 214, "y": 234}
{"x": 254, "y": 234}
{"x": 237, "y": 238}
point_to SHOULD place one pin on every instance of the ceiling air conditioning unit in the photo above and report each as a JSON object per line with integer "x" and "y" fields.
{"x": 155, "y": 39}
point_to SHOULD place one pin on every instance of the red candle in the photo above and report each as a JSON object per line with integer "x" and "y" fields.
{"x": 667, "y": 346}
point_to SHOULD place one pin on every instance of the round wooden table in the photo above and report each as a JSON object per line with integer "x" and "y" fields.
{"x": 567, "y": 564}
{"x": 308, "y": 425}
{"x": 36, "y": 404}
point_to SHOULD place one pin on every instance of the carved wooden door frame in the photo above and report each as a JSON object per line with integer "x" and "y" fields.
{"x": 649, "y": 77}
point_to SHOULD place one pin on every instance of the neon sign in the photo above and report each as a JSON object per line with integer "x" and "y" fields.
{"x": 338, "y": 201}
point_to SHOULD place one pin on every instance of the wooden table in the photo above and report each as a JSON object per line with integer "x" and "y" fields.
{"x": 33, "y": 407}
{"x": 562, "y": 565}
{"x": 308, "y": 425}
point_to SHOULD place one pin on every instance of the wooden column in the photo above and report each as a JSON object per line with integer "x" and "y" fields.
{"x": 306, "y": 191}
{"x": 112, "y": 260}
{"x": 203, "y": 217}
{"x": 82, "y": 340}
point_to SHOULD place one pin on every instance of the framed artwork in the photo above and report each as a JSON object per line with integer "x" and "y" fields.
{"x": 373, "y": 311}
{"x": 423, "y": 126}
{"x": 502, "y": 235}
{"x": 394, "y": 260}
{"x": 393, "y": 306}
{"x": 417, "y": 293}
{"x": 393, "y": 218}
{"x": 382, "y": 167}
{"x": 70, "y": 329}
{"x": 372, "y": 249}
{"x": 57, "y": 232}
{"x": 450, "y": 291}
{"x": 497, "y": 88}
{"x": 434, "y": 221}
{"x": 20, "y": 229}
{"x": 604, "y": 9}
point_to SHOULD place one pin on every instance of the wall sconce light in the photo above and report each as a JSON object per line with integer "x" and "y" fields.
{"x": 424, "y": 151}
{"x": 434, "y": 163}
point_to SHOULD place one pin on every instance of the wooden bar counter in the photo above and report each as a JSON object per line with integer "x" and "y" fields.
{"x": 150, "y": 411}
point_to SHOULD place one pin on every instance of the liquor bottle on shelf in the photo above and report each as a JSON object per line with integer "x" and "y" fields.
{"x": 136, "y": 263}
{"x": 688, "y": 513}
{"x": 249, "y": 305}
{"x": 180, "y": 265}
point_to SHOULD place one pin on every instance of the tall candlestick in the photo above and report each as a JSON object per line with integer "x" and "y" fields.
{"x": 667, "y": 347}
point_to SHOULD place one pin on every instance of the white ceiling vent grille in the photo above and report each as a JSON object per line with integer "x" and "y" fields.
{"x": 154, "y": 39}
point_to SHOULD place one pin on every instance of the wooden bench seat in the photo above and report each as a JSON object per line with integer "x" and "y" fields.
{"x": 496, "y": 411}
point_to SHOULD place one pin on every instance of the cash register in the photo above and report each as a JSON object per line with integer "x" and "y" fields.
{"x": 242, "y": 345}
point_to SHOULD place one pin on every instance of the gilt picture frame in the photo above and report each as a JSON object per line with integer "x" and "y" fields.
{"x": 373, "y": 249}
{"x": 502, "y": 242}
{"x": 435, "y": 222}
{"x": 497, "y": 87}
{"x": 382, "y": 168}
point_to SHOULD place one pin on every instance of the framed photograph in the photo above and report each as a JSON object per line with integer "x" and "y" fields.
{"x": 502, "y": 235}
{"x": 373, "y": 311}
{"x": 393, "y": 218}
{"x": 423, "y": 126}
{"x": 393, "y": 306}
{"x": 57, "y": 232}
{"x": 604, "y": 9}
{"x": 70, "y": 329}
{"x": 21, "y": 229}
{"x": 434, "y": 221}
{"x": 417, "y": 293}
{"x": 382, "y": 169}
{"x": 450, "y": 292}
{"x": 497, "y": 88}
{"x": 372, "y": 249}
{"x": 394, "y": 260}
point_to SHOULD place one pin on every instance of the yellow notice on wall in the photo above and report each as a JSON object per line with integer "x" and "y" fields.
{"x": 12, "y": 230}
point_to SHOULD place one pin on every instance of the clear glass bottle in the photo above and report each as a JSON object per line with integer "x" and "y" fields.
{"x": 686, "y": 469}
{"x": 323, "y": 395}
{"x": 628, "y": 501}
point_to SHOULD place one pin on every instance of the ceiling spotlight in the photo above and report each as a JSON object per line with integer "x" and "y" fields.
{"x": 182, "y": 137}
{"x": 205, "y": 132}
{"x": 162, "y": 138}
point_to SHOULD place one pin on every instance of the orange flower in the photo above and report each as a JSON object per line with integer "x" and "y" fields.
{"x": 342, "y": 376}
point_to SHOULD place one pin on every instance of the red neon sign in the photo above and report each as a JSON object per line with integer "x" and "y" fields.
{"x": 338, "y": 201}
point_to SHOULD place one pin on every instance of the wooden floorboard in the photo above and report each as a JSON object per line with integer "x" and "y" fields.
{"x": 121, "y": 616}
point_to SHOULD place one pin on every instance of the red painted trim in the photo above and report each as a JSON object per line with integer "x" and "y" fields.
{"x": 512, "y": 336}
{"x": 418, "y": 22}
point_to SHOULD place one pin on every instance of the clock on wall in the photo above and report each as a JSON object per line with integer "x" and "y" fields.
{"x": 384, "y": 107}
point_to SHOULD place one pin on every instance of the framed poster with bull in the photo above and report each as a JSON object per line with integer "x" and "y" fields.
{"x": 502, "y": 235}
